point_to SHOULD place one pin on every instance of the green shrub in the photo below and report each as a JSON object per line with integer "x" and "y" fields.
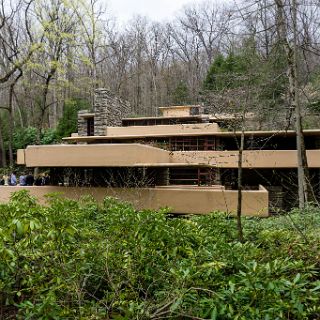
{"x": 23, "y": 137}
{"x": 83, "y": 260}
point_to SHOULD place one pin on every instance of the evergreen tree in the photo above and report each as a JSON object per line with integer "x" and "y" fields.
{"x": 69, "y": 121}
{"x": 181, "y": 94}
{"x": 226, "y": 72}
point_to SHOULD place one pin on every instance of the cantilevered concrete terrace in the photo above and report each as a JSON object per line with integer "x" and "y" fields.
{"x": 133, "y": 155}
{"x": 190, "y": 130}
{"x": 180, "y": 200}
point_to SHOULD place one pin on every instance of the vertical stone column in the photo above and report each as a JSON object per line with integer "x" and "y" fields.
{"x": 108, "y": 111}
{"x": 82, "y": 123}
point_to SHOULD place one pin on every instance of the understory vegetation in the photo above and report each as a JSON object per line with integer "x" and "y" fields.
{"x": 83, "y": 260}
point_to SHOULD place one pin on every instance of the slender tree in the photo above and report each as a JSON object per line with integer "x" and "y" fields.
{"x": 291, "y": 49}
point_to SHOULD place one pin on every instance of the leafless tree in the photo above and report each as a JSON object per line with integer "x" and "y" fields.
{"x": 16, "y": 50}
{"x": 210, "y": 23}
{"x": 56, "y": 27}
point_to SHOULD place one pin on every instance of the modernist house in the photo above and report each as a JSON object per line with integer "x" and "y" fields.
{"x": 184, "y": 159}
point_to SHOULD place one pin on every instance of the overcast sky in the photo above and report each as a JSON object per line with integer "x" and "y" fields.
{"x": 158, "y": 10}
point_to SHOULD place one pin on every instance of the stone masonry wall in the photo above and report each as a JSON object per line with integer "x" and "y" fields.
{"x": 108, "y": 110}
{"x": 82, "y": 123}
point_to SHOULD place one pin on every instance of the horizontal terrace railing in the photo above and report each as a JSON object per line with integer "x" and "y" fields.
{"x": 181, "y": 200}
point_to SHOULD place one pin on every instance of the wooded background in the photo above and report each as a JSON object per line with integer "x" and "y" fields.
{"x": 261, "y": 55}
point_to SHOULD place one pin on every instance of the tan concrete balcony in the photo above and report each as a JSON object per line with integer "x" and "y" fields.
{"x": 251, "y": 158}
{"x": 130, "y": 155}
{"x": 98, "y": 155}
{"x": 163, "y": 130}
{"x": 190, "y": 130}
{"x": 180, "y": 200}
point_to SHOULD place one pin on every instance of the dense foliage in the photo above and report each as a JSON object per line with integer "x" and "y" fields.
{"x": 24, "y": 136}
{"x": 180, "y": 95}
{"x": 247, "y": 70}
{"x": 226, "y": 72}
{"x": 69, "y": 121}
{"x": 81, "y": 260}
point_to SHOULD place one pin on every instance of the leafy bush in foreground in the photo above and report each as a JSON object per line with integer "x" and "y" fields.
{"x": 81, "y": 260}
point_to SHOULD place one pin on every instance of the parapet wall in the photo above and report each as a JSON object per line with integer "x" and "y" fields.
{"x": 134, "y": 154}
{"x": 251, "y": 158}
{"x": 204, "y": 128}
{"x": 97, "y": 155}
{"x": 180, "y": 200}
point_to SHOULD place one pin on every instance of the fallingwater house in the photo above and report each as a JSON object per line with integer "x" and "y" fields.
{"x": 184, "y": 159}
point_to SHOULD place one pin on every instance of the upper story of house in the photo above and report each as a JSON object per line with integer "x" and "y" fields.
{"x": 111, "y": 117}
{"x": 178, "y": 128}
{"x": 180, "y": 135}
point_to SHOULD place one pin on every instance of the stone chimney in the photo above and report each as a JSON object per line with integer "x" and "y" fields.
{"x": 108, "y": 111}
{"x": 82, "y": 123}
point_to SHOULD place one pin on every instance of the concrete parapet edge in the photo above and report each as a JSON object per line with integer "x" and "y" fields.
{"x": 180, "y": 200}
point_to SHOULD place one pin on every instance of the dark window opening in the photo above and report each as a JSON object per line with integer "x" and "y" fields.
{"x": 192, "y": 176}
{"x": 90, "y": 126}
{"x": 201, "y": 143}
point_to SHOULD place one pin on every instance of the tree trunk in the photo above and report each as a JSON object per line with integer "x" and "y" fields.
{"x": 302, "y": 156}
{"x": 11, "y": 123}
{"x": 291, "y": 50}
{"x": 43, "y": 107}
{"x": 2, "y": 149}
{"x": 10, "y": 140}
{"x": 240, "y": 172}
{"x": 11, "y": 117}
